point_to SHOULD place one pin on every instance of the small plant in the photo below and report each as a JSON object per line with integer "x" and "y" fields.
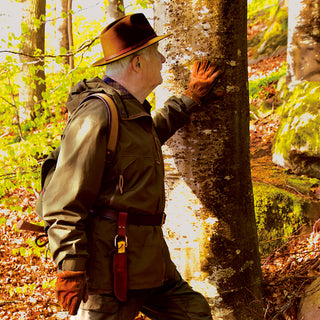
{"x": 258, "y": 87}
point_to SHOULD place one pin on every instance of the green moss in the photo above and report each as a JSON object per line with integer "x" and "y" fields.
{"x": 278, "y": 214}
{"x": 260, "y": 90}
{"x": 261, "y": 109}
{"x": 302, "y": 184}
{"x": 256, "y": 86}
{"x": 256, "y": 6}
{"x": 300, "y": 121}
{"x": 279, "y": 27}
{"x": 274, "y": 36}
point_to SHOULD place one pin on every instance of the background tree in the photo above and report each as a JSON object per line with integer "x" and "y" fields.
{"x": 114, "y": 10}
{"x": 303, "y": 41}
{"x": 296, "y": 145}
{"x": 212, "y": 157}
{"x": 64, "y": 28}
{"x": 32, "y": 47}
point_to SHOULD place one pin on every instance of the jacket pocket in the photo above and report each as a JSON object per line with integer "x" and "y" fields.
{"x": 122, "y": 175}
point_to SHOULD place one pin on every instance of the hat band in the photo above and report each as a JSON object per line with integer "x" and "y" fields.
{"x": 130, "y": 48}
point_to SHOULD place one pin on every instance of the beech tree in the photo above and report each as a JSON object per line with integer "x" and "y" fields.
{"x": 64, "y": 28}
{"x": 210, "y": 200}
{"x": 114, "y": 10}
{"x": 296, "y": 146}
{"x": 32, "y": 47}
{"x": 303, "y": 41}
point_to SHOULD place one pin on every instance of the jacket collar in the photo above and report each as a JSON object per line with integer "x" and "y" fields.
{"x": 129, "y": 106}
{"x": 134, "y": 107}
{"x": 117, "y": 86}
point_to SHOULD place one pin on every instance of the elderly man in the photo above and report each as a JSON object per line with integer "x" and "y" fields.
{"x": 105, "y": 218}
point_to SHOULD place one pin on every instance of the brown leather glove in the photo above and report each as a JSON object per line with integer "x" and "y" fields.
{"x": 71, "y": 289}
{"x": 203, "y": 76}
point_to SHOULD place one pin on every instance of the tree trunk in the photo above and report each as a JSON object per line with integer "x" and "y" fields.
{"x": 65, "y": 34}
{"x": 114, "y": 10}
{"x": 62, "y": 16}
{"x": 211, "y": 228}
{"x": 303, "y": 41}
{"x": 32, "y": 73}
{"x": 70, "y": 35}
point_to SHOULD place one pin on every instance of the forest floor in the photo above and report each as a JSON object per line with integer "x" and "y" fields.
{"x": 27, "y": 278}
{"x": 291, "y": 268}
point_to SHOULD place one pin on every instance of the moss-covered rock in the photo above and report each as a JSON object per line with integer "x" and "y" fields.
{"x": 297, "y": 142}
{"x": 273, "y": 41}
{"x": 278, "y": 214}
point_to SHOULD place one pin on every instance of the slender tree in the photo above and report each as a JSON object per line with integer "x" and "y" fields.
{"x": 303, "y": 41}
{"x": 210, "y": 208}
{"x": 32, "y": 47}
{"x": 70, "y": 34}
{"x": 64, "y": 34}
{"x": 114, "y": 10}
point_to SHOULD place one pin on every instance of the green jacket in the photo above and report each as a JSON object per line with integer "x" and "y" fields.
{"x": 134, "y": 182}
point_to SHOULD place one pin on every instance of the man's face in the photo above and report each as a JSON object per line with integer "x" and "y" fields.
{"x": 153, "y": 66}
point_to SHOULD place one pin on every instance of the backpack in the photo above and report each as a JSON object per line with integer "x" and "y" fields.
{"x": 49, "y": 165}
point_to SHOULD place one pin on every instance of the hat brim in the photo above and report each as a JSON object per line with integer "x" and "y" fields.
{"x": 103, "y": 61}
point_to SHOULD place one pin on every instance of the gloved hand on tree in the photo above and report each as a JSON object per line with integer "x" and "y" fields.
{"x": 202, "y": 80}
{"x": 71, "y": 289}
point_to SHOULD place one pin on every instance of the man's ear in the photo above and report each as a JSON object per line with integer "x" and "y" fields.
{"x": 136, "y": 63}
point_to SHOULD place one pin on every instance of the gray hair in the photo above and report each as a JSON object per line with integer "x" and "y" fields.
{"x": 118, "y": 67}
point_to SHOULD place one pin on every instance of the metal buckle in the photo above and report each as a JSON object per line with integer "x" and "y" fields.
{"x": 121, "y": 244}
{"x": 39, "y": 241}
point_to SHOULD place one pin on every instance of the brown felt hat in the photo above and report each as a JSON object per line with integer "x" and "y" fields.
{"x": 125, "y": 36}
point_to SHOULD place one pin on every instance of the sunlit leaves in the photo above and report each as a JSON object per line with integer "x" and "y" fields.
{"x": 24, "y": 28}
{"x": 3, "y": 220}
{"x": 143, "y": 4}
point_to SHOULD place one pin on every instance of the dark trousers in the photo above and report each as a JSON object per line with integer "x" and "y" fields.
{"x": 172, "y": 301}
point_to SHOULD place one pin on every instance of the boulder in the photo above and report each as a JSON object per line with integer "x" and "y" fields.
{"x": 309, "y": 308}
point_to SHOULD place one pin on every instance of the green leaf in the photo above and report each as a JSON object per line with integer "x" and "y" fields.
{"x": 24, "y": 28}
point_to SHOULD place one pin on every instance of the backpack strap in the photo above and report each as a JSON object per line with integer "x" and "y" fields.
{"x": 49, "y": 164}
{"x": 113, "y": 119}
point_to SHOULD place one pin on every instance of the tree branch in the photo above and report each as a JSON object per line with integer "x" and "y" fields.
{"x": 84, "y": 46}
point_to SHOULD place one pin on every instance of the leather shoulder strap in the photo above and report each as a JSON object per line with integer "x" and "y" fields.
{"x": 114, "y": 126}
{"x": 113, "y": 123}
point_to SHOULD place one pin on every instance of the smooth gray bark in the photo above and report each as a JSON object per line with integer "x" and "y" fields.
{"x": 210, "y": 199}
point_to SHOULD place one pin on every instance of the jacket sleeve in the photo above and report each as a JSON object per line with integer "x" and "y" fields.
{"x": 175, "y": 113}
{"x": 75, "y": 184}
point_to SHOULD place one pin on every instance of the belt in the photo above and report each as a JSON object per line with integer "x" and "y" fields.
{"x": 135, "y": 218}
